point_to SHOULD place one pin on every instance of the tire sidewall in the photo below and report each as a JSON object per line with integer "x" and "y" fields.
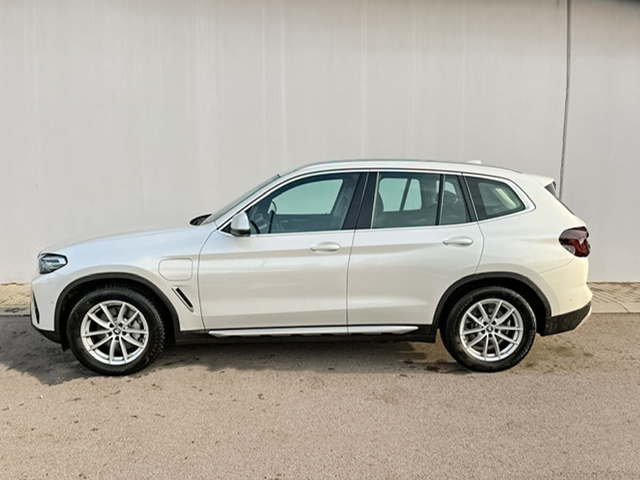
{"x": 451, "y": 333}
{"x": 148, "y": 309}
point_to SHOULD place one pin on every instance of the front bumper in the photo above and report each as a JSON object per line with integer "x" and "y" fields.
{"x": 35, "y": 321}
{"x": 565, "y": 322}
{"x": 53, "y": 336}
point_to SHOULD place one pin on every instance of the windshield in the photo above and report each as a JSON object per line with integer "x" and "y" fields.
{"x": 237, "y": 201}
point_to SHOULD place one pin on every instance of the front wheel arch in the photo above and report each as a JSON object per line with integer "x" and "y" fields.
{"x": 115, "y": 330}
{"x": 79, "y": 288}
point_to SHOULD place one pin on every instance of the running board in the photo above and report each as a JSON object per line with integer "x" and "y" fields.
{"x": 312, "y": 331}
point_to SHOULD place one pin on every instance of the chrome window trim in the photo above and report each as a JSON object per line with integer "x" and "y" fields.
{"x": 268, "y": 189}
{"x": 441, "y": 173}
{"x": 529, "y": 206}
{"x": 223, "y": 221}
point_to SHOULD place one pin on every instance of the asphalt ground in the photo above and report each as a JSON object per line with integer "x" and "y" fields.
{"x": 402, "y": 410}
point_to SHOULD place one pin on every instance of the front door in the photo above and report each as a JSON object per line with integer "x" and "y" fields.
{"x": 292, "y": 270}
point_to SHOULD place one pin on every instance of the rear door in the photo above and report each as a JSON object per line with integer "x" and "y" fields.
{"x": 416, "y": 236}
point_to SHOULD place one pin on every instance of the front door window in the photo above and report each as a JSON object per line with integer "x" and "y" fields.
{"x": 313, "y": 204}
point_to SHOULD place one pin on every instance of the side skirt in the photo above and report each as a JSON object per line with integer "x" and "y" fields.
{"x": 401, "y": 333}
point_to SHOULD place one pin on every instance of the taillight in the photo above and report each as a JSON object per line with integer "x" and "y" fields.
{"x": 575, "y": 241}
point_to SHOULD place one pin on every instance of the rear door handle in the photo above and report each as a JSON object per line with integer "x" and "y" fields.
{"x": 325, "y": 247}
{"x": 462, "y": 241}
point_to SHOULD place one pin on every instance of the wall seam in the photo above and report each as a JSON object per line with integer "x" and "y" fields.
{"x": 566, "y": 101}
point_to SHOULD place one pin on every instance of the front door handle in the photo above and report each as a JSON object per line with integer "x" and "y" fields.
{"x": 462, "y": 241}
{"x": 325, "y": 247}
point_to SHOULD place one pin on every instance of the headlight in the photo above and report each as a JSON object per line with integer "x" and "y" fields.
{"x": 48, "y": 262}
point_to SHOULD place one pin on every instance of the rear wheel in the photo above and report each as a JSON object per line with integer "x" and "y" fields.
{"x": 490, "y": 329}
{"x": 116, "y": 331}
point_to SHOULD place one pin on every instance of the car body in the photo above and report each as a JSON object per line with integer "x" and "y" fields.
{"x": 361, "y": 249}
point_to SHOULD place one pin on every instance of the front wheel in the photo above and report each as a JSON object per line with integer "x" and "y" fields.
{"x": 490, "y": 329}
{"x": 115, "y": 331}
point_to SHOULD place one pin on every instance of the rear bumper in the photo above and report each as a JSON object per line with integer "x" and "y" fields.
{"x": 565, "y": 322}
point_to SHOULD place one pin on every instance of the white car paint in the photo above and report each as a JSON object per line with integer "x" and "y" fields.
{"x": 398, "y": 275}
{"x": 274, "y": 280}
{"x": 365, "y": 281}
{"x": 137, "y": 254}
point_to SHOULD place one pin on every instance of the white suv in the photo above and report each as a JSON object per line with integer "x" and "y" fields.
{"x": 371, "y": 249}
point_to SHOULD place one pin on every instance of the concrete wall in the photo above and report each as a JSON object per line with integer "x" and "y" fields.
{"x": 602, "y": 170}
{"x": 119, "y": 114}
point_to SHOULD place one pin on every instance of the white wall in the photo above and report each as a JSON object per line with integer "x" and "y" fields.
{"x": 602, "y": 177}
{"x": 124, "y": 113}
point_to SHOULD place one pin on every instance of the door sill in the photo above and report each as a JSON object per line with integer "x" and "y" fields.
{"x": 314, "y": 331}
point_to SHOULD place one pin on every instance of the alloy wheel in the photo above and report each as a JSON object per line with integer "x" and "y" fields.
{"x": 491, "y": 330}
{"x": 114, "y": 332}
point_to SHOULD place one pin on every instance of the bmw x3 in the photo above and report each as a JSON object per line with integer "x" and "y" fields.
{"x": 366, "y": 249}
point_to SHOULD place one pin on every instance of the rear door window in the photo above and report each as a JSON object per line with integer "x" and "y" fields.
{"x": 406, "y": 200}
{"x": 415, "y": 199}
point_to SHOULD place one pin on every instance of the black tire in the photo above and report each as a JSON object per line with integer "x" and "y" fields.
{"x": 493, "y": 341}
{"x": 116, "y": 330}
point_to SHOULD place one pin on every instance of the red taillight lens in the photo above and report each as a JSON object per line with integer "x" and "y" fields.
{"x": 575, "y": 241}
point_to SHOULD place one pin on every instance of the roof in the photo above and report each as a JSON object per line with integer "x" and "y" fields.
{"x": 442, "y": 166}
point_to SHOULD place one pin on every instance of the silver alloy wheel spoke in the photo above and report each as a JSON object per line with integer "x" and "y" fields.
{"x": 504, "y": 337}
{"x": 131, "y": 319}
{"x": 121, "y": 314}
{"x": 473, "y": 330}
{"x": 508, "y": 329}
{"x": 96, "y": 332}
{"x": 501, "y": 320}
{"x": 100, "y": 343}
{"x": 133, "y": 331}
{"x": 123, "y": 349}
{"x": 485, "y": 317}
{"x": 478, "y": 321}
{"x": 496, "y": 310}
{"x": 496, "y": 346}
{"x": 106, "y": 311}
{"x": 114, "y": 340}
{"x": 112, "y": 350}
{"x": 477, "y": 339}
{"x": 99, "y": 321}
{"x": 496, "y": 334}
{"x": 132, "y": 341}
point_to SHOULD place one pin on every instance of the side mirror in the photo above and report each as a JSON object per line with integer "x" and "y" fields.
{"x": 240, "y": 226}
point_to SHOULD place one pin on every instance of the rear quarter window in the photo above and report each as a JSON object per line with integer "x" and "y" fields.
{"x": 493, "y": 198}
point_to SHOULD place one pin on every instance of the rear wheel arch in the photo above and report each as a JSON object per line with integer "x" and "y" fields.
{"x": 79, "y": 288}
{"x": 513, "y": 281}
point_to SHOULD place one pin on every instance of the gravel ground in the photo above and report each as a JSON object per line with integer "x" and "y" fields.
{"x": 402, "y": 410}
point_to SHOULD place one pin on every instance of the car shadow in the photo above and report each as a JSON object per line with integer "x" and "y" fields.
{"x": 319, "y": 356}
{"x": 25, "y": 351}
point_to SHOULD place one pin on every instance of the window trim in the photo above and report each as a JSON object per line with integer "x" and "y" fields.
{"x": 462, "y": 182}
{"x": 471, "y": 207}
{"x": 365, "y": 219}
{"x": 362, "y": 172}
{"x": 524, "y": 198}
